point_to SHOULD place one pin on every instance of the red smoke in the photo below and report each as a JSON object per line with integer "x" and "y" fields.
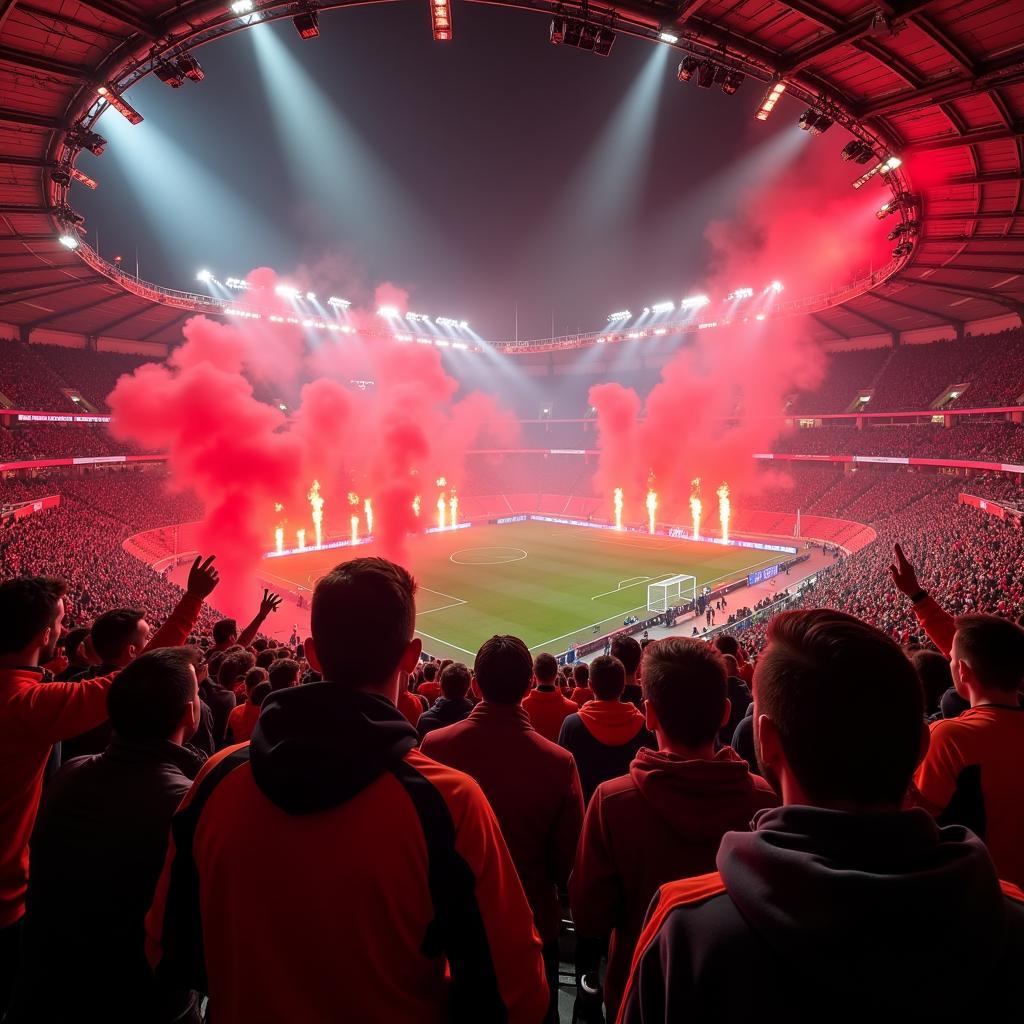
{"x": 242, "y": 456}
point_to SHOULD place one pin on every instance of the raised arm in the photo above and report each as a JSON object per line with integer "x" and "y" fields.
{"x": 270, "y": 603}
{"x": 202, "y": 578}
{"x": 937, "y": 623}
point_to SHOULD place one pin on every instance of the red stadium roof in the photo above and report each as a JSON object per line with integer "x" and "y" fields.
{"x": 937, "y": 78}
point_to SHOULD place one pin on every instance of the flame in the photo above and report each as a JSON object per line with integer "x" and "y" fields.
{"x": 617, "y": 500}
{"x": 416, "y": 506}
{"x": 353, "y": 498}
{"x": 301, "y": 535}
{"x": 279, "y": 539}
{"x": 278, "y": 507}
{"x": 724, "y": 509}
{"x": 441, "y": 507}
{"x": 441, "y": 482}
{"x": 368, "y": 514}
{"x": 317, "y": 505}
{"x": 652, "y": 509}
{"x": 696, "y": 505}
{"x": 354, "y": 520}
{"x": 453, "y": 509}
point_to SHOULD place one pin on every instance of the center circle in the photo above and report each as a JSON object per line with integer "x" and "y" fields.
{"x": 487, "y": 556}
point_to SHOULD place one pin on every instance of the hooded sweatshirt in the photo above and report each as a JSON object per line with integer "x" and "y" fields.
{"x": 826, "y": 915}
{"x": 662, "y": 821}
{"x": 548, "y": 709}
{"x": 329, "y": 871}
{"x": 604, "y": 737}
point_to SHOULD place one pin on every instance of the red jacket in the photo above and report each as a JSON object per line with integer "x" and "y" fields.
{"x": 547, "y": 710}
{"x": 33, "y": 716}
{"x": 241, "y": 722}
{"x": 534, "y": 789}
{"x": 581, "y": 695}
{"x": 410, "y": 705}
{"x": 662, "y": 821}
{"x": 328, "y": 871}
{"x": 431, "y": 689}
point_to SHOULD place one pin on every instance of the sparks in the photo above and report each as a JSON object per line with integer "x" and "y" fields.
{"x": 368, "y": 515}
{"x": 317, "y": 505}
{"x": 417, "y": 504}
{"x": 617, "y": 501}
{"x": 453, "y": 509}
{"x": 441, "y": 482}
{"x": 695, "y": 507}
{"x": 652, "y": 509}
{"x": 301, "y": 536}
{"x": 724, "y": 509}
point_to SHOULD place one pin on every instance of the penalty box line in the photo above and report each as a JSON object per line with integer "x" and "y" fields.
{"x": 453, "y": 602}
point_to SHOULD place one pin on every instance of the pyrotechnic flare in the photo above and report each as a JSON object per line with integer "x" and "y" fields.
{"x": 724, "y": 509}
{"x": 441, "y": 507}
{"x": 652, "y": 509}
{"x": 301, "y": 535}
{"x": 617, "y": 499}
{"x": 354, "y": 520}
{"x": 453, "y": 509}
{"x": 279, "y": 532}
{"x": 317, "y": 504}
{"x": 416, "y": 506}
{"x": 368, "y": 514}
{"x": 441, "y": 482}
{"x": 695, "y": 507}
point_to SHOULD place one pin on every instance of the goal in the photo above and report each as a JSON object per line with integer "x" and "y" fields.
{"x": 668, "y": 593}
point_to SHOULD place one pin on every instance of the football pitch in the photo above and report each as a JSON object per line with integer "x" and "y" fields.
{"x": 551, "y": 584}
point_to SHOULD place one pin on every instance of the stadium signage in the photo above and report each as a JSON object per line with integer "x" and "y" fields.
{"x": 331, "y": 545}
{"x": 511, "y": 519}
{"x": 760, "y": 575}
{"x": 999, "y": 467}
{"x": 59, "y": 417}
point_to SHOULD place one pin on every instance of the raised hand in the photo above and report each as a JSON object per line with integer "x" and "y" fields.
{"x": 903, "y": 575}
{"x": 202, "y": 577}
{"x": 270, "y": 603}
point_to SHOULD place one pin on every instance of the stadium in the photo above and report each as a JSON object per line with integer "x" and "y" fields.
{"x": 676, "y": 350}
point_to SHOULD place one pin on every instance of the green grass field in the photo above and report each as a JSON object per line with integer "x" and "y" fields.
{"x": 547, "y": 583}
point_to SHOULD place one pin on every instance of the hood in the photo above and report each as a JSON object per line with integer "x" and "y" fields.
{"x": 700, "y": 799}
{"x": 318, "y": 745}
{"x": 866, "y": 894}
{"x": 610, "y": 721}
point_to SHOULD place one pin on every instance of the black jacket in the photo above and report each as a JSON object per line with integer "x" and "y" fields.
{"x": 444, "y": 711}
{"x": 96, "y": 853}
{"x": 222, "y": 702}
{"x": 825, "y": 915}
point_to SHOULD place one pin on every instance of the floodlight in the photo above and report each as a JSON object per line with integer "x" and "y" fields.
{"x": 338, "y": 303}
{"x": 69, "y": 241}
{"x": 311, "y": 296}
{"x": 307, "y": 24}
{"x": 663, "y": 307}
{"x": 733, "y": 80}
{"x": 241, "y": 7}
{"x": 388, "y": 311}
{"x": 741, "y": 293}
{"x": 771, "y": 97}
{"x": 693, "y": 302}
{"x": 125, "y": 109}
{"x": 622, "y": 314}
{"x": 286, "y": 291}
{"x": 687, "y": 66}
{"x": 169, "y": 74}
{"x": 706, "y": 74}
{"x": 204, "y": 276}
{"x": 668, "y": 37}
{"x": 858, "y": 151}
{"x": 775, "y": 286}
{"x": 603, "y": 42}
{"x": 190, "y": 68}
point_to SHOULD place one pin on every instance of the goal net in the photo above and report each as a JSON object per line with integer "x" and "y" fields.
{"x": 676, "y": 590}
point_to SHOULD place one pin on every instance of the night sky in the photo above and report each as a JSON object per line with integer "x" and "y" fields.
{"x": 491, "y": 171}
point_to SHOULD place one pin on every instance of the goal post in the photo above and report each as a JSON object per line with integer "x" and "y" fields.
{"x": 676, "y": 590}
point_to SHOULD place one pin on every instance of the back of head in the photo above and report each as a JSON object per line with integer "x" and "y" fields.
{"x": 259, "y": 694}
{"x": 628, "y": 651}
{"x": 732, "y": 666}
{"x": 847, "y": 705}
{"x": 233, "y": 667}
{"x": 685, "y": 682}
{"x": 455, "y": 681}
{"x": 363, "y": 617}
{"x": 73, "y": 640}
{"x": 429, "y": 672}
{"x": 545, "y": 669}
{"x": 581, "y": 674}
{"x": 266, "y": 657}
{"x": 994, "y": 648}
{"x": 934, "y": 673}
{"x": 607, "y": 677}
{"x": 283, "y": 674}
{"x": 113, "y": 631}
{"x": 147, "y": 700}
{"x": 253, "y": 678}
{"x": 28, "y": 605}
{"x": 726, "y": 644}
{"x": 224, "y": 630}
{"x": 504, "y": 670}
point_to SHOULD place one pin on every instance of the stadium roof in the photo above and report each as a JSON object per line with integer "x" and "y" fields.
{"x": 938, "y": 81}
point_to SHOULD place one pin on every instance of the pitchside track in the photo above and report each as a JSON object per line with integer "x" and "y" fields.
{"x": 552, "y": 585}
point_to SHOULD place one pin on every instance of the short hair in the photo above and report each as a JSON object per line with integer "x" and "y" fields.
{"x": 224, "y": 629}
{"x": 213, "y": 663}
{"x": 146, "y": 700}
{"x": 581, "y": 674}
{"x": 994, "y": 647}
{"x": 113, "y": 631}
{"x": 504, "y": 670}
{"x": 28, "y": 604}
{"x": 685, "y": 682}
{"x": 545, "y": 668}
{"x": 254, "y": 677}
{"x": 607, "y": 677}
{"x": 363, "y": 618}
{"x": 260, "y": 644}
{"x": 628, "y": 651}
{"x": 429, "y": 672}
{"x": 455, "y": 680}
{"x": 73, "y": 639}
{"x": 260, "y": 693}
{"x": 726, "y": 644}
{"x": 935, "y": 675}
{"x": 234, "y": 665}
{"x": 265, "y": 658}
{"x": 732, "y": 666}
{"x": 818, "y": 666}
{"x": 283, "y": 673}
